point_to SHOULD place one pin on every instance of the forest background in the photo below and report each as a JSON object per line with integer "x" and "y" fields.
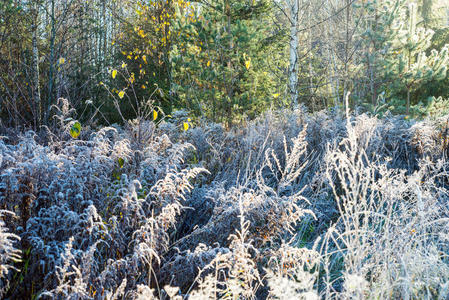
{"x": 225, "y": 61}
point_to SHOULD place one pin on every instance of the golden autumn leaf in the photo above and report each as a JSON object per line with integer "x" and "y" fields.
{"x": 248, "y": 64}
{"x": 154, "y": 115}
{"x": 114, "y": 73}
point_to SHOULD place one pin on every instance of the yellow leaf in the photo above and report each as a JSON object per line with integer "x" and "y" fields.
{"x": 208, "y": 63}
{"x": 61, "y": 60}
{"x": 248, "y": 64}
{"x": 114, "y": 73}
{"x": 189, "y": 120}
{"x": 144, "y": 57}
{"x": 121, "y": 94}
{"x": 154, "y": 115}
{"x": 276, "y": 95}
{"x": 186, "y": 126}
{"x": 123, "y": 65}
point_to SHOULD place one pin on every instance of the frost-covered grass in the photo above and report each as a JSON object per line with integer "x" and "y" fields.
{"x": 290, "y": 206}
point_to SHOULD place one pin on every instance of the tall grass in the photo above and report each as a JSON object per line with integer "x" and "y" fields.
{"x": 290, "y": 206}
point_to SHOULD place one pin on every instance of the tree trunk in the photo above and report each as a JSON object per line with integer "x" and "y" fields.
{"x": 104, "y": 33}
{"x": 292, "y": 70}
{"x": 347, "y": 55}
{"x": 408, "y": 101}
{"x": 36, "y": 93}
{"x": 52, "y": 61}
{"x": 229, "y": 81}
{"x": 167, "y": 49}
{"x": 372, "y": 65}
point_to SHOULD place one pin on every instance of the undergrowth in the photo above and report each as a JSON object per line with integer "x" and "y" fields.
{"x": 289, "y": 206}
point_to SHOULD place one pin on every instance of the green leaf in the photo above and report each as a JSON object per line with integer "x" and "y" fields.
{"x": 75, "y": 130}
{"x": 121, "y": 162}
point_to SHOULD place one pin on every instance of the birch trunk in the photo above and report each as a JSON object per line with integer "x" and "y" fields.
{"x": 292, "y": 69}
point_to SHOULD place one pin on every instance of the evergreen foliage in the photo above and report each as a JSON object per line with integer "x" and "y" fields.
{"x": 224, "y": 60}
{"x": 407, "y": 66}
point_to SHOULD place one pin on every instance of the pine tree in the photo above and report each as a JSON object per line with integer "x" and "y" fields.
{"x": 378, "y": 20}
{"x": 226, "y": 60}
{"x": 407, "y": 65}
